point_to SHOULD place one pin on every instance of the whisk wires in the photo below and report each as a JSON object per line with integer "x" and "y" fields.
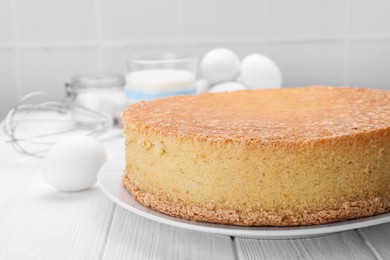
{"x": 34, "y": 127}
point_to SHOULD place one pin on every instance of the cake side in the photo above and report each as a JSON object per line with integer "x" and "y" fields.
{"x": 305, "y": 166}
{"x": 310, "y": 183}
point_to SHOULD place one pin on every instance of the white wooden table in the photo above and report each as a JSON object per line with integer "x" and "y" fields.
{"x": 39, "y": 222}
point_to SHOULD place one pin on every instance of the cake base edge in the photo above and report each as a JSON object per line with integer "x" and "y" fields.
{"x": 246, "y": 217}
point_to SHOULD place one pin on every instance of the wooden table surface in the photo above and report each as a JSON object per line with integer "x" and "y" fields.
{"x": 39, "y": 222}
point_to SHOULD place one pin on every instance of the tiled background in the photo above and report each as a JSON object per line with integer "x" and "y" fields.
{"x": 44, "y": 42}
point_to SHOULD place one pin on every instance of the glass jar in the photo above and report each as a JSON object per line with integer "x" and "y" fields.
{"x": 102, "y": 93}
{"x": 159, "y": 75}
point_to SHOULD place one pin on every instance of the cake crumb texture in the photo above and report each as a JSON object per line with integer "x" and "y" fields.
{"x": 248, "y": 217}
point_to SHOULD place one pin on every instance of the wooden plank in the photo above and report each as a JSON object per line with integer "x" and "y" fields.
{"x": 345, "y": 245}
{"x": 134, "y": 237}
{"x": 378, "y": 239}
{"x": 39, "y": 222}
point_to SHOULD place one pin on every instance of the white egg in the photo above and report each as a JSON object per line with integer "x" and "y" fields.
{"x": 227, "y": 87}
{"x": 202, "y": 86}
{"x": 259, "y": 71}
{"x": 72, "y": 164}
{"x": 220, "y": 65}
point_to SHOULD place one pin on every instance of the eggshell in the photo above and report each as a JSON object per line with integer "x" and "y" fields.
{"x": 73, "y": 163}
{"x": 220, "y": 65}
{"x": 227, "y": 87}
{"x": 259, "y": 71}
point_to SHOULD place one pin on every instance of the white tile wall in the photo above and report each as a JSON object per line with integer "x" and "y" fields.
{"x": 309, "y": 63}
{"x": 8, "y": 94}
{"x": 48, "y": 69}
{"x": 306, "y": 18}
{"x": 47, "y": 21}
{"x": 369, "y": 64}
{"x": 203, "y": 20}
{"x": 369, "y": 17}
{"x": 134, "y": 20}
{"x": 6, "y": 27}
{"x": 337, "y": 42}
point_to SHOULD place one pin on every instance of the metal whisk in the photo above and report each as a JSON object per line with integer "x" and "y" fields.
{"x": 33, "y": 125}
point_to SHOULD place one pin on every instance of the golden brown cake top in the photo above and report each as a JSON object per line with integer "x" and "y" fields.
{"x": 266, "y": 115}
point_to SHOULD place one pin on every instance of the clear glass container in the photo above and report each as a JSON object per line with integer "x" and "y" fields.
{"x": 159, "y": 75}
{"x": 98, "y": 92}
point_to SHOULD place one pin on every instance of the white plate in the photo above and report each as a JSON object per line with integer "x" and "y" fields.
{"x": 110, "y": 180}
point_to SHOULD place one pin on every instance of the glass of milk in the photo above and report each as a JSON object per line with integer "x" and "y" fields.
{"x": 156, "y": 76}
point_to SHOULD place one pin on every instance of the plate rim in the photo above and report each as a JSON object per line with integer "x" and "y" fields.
{"x": 109, "y": 171}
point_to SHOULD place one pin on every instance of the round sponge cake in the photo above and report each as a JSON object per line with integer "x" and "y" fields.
{"x": 280, "y": 157}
